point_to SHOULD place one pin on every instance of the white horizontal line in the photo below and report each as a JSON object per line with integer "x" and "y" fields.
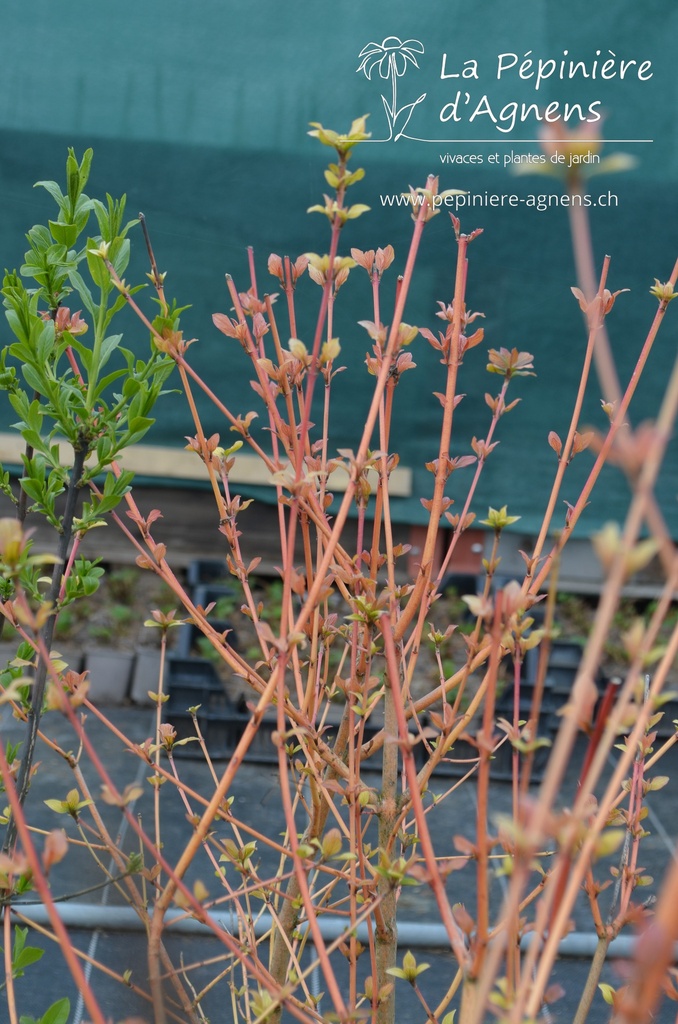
{"x": 524, "y": 142}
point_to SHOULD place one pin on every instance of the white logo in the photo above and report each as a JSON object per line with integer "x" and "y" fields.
{"x": 392, "y": 58}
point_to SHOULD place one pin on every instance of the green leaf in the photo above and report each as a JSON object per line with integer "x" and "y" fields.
{"x": 32, "y": 438}
{"x": 97, "y": 268}
{"x": 119, "y": 303}
{"x": 35, "y": 379}
{"x": 64, "y": 234}
{"x": 29, "y": 955}
{"x": 83, "y": 291}
{"x": 410, "y": 969}
{"x": 85, "y": 165}
{"x": 608, "y": 842}
{"x": 58, "y": 1013}
{"x": 119, "y": 255}
{"x": 108, "y": 347}
{"x": 356, "y": 211}
{"x": 22, "y": 955}
{"x": 45, "y": 342}
{"x": 331, "y": 843}
{"x": 17, "y": 325}
{"x": 60, "y": 806}
{"x": 138, "y": 428}
{"x": 55, "y": 192}
{"x": 106, "y": 382}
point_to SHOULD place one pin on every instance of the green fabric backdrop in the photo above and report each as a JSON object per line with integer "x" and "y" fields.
{"x": 200, "y": 113}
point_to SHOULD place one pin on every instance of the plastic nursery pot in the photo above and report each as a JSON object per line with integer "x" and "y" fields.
{"x": 110, "y": 674}
{"x": 146, "y": 675}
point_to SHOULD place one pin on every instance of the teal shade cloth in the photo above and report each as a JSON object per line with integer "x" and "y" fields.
{"x": 200, "y": 115}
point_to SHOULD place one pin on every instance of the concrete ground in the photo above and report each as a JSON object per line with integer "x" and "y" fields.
{"x": 256, "y": 801}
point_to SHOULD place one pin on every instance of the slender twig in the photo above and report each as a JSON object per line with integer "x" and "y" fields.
{"x": 9, "y": 967}
{"x": 47, "y": 634}
{"x": 41, "y": 884}
{"x": 596, "y": 322}
{"x": 435, "y": 879}
{"x": 580, "y": 229}
{"x": 592, "y": 979}
{"x": 601, "y": 458}
{"x": 426, "y": 565}
{"x": 485, "y": 741}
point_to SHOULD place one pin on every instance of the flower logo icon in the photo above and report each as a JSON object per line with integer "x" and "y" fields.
{"x": 392, "y": 57}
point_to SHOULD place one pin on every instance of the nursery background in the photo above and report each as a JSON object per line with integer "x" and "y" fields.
{"x": 318, "y": 781}
{"x": 202, "y": 120}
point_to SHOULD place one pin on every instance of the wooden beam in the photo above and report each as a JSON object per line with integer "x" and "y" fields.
{"x": 176, "y": 464}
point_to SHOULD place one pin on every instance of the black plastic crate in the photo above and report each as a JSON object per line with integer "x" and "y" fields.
{"x": 202, "y": 571}
{"x": 198, "y": 670}
{"x": 462, "y": 757}
{"x": 262, "y": 750}
{"x": 560, "y": 679}
{"x": 504, "y": 701}
{"x": 501, "y": 767}
{"x": 560, "y": 699}
{"x": 221, "y": 721}
{"x": 528, "y": 670}
{"x": 203, "y": 595}
{"x": 221, "y": 732}
{"x": 191, "y": 681}
{"x": 208, "y": 592}
{"x": 565, "y": 654}
{"x": 458, "y": 761}
{"x": 530, "y": 665}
